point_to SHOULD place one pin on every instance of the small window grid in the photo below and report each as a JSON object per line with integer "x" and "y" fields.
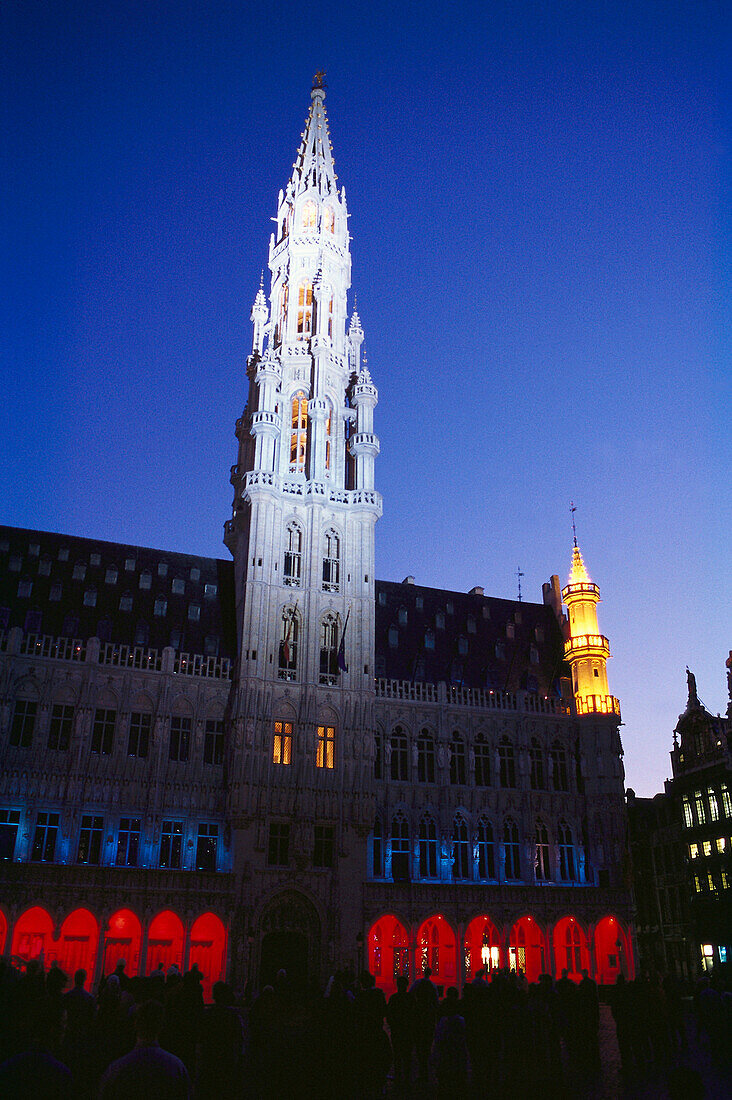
{"x": 207, "y": 847}
{"x": 180, "y": 739}
{"x": 128, "y": 842}
{"x": 44, "y": 838}
{"x": 138, "y": 742}
{"x": 213, "y": 742}
{"x": 325, "y": 752}
{"x": 23, "y": 724}
{"x": 282, "y": 746}
{"x": 171, "y": 845}
{"x": 90, "y": 839}
{"x": 102, "y": 743}
{"x": 59, "y": 732}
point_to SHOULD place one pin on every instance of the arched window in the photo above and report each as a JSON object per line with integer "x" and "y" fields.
{"x": 542, "y": 864}
{"x": 486, "y": 850}
{"x": 289, "y": 641}
{"x": 457, "y": 759}
{"x": 309, "y": 215}
{"x": 536, "y": 760}
{"x": 330, "y": 316}
{"x": 285, "y": 228}
{"x": 427, "y": 848}
{"x": 567, "y": 863}
{"x": 399, "y": 755}
{"x": 282, "y": 320}
{"x": 299, "y": 433}
{"x": 331, "y": 562}
{"x": 507, "y": 763}
{"x": 292, "y": 571}
{"x": 377, "y": 850}
{"x": 399, "y": 848}
{"x": 460, "y": 849}
{"x": 511, "y": 847}
{"x": 328, "y": 219}
{"x": 329, "y": 649}
{"x": 425, "y": 757}
{"x": 559, "y": 766}
{"x": 304, "y": 310}
{"x": 482, "y": 753}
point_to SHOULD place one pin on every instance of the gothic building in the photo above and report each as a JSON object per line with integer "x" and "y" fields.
{"x": 279, "y": 760}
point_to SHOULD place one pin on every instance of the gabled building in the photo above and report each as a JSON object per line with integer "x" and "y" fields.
{"x": 279, "y": 760}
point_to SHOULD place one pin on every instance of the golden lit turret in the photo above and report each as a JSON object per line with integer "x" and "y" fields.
{"x": 585, "y": 649}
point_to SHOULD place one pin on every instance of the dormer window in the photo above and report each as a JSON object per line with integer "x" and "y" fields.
{"x": 309, "y": 215}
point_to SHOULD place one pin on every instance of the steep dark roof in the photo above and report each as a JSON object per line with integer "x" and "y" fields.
{"x": 485, "y": 641}
{"x": 62, "y": 604}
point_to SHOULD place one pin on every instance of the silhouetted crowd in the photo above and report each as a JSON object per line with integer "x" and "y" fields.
{"x": 503, "y": 1038}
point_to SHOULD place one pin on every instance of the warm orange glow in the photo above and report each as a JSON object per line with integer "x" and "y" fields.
{"x": 299, "y": 434}
{"x": 526, "y": 949}
{"x": 304, "y": 310}
{"x": 329, "y": 220}
{"x": 585, "y": 648}
{"x": 325, "y": 754}
{"x": 282, "y": 750}
{"x": 309, "y": 215}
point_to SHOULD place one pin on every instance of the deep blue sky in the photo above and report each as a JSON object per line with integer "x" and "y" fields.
{"x": 539, "y": 254}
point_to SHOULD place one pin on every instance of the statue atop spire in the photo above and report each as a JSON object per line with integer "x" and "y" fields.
{"x": 693, "y": 700}
{"x": 319, "y": 81}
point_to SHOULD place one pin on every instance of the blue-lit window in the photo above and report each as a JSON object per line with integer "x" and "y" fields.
{"x": 511, "y": 848}
{"x": 460, "y": 849}
{"x": 90, "y": 839}
{"x": 427, "y": 845}
{"x": 44, "y": 838}
{"x": 207, "y": 847}
{"x": 171, "y": 844}
{"x": 9, "y": 825}
{"x": 128, "y": 842}
{"x": 486, "y": 850}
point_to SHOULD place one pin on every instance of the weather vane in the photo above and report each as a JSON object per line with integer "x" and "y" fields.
{"x": 319, "y": 79}
{"x": 519, "y": 575}
{"x": 573, "y": 509}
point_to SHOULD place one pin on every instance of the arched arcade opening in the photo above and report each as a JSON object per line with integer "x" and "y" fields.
{"x": 165, "y": 938}
{"x": 482, "y": 947}
{"x": 388, "y": 952}
{"x": 526, "y": 951}
{"x": 33, "y": 936}
{"x": 612, "y": 951}
{"x": 208, "y": 950}
{"x": 570, "y": 948}
{"x": 77, "y": 945}
{"x": 122, "y": 940}
{"x": 437, "y": 948}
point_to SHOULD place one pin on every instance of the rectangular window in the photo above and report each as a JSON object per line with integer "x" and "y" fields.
{"x": 24, "y": 721}
{"x": 59, "y": 733}
{"x": 323, "y": 847}
{"x": 44, "y": 840}
{"x": 139, "y": 739}
{"x": 278, "y": 845}
{"x": 207, "y": 847}
{"x": 701, "y": 815}
{"x": 103, "y": 731}
{"x": 210, "y": 590}
{"x": 9, "y": 825}
{"x": 688, "y": 819}
{"x": 282, "y": 748}
{"x": 713, "y": 804}
{"x": 90, "y": 839}
{"x": 213, "y": 744}
{"x": 171, "y": 844}
{"x": 128, "y": 842}
{"x": 325, "y": 755}
{"x": 180, "y": 739}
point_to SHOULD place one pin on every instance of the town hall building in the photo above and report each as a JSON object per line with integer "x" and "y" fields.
{"x": 279, "y": 760}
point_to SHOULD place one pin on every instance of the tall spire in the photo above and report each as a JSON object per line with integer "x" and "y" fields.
{"x": 585, "y": 649}
{"x": 314, "y": 164}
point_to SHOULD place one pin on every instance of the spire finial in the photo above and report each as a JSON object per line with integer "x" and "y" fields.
{"x": 519, "y": 575}
{"x": 319, "y": 81}
{"x": 573, "y": 509}
{"x": 261, "y": 279}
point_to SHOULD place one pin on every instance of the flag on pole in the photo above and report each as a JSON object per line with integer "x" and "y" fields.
{"x": 342, "y": 647}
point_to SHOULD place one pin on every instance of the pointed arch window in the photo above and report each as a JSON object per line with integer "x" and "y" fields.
{"x": 460, "y": 849}
{"x": 331, "y": 562}
{"x": 542, "y": 865}
{"x": 304, "y": 311}
{"x": 329, "y": 650}
{"x": 399, "y": 848}
{"x": 330, "y": 316}
{"x": 292, "y": 570}
{"x": 536, "y": 761}
{"x": 309, "y": 215}
{"x": 427, "y": 845}
{"x": 425, "y": 757}
{"x": 482, "y": 752}
{"x": 486, "y": 850}
{"x": 299, "y": 433}
{"x": 329, "y": 219}
{"x": 399, "y": 755}
{"x": 457, "y": 760}
{"x": 512, "y": 863}
{"x": 559, "y": 766}
{"x": 507, "y": 763}
{"x": 289, "y": 644}
{"x": 328, "y": 430}
{"x": 567, "y": 863}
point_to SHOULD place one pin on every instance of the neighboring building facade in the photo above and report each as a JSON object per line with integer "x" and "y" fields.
{"x": 280, "y": 761}
{"x": 680, "y": 843}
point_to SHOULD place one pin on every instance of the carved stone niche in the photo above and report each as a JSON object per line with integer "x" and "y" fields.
{"x": 291, "y": 911}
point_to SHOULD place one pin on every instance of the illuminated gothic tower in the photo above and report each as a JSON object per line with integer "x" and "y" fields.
{"x": 586, "y": 650}
{"x": 302, "y": 538}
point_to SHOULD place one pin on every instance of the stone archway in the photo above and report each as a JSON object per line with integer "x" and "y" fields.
{"x": 289, "y": 938}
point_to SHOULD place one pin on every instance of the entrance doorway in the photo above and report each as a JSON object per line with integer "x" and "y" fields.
{"x": 284, "y": 951}
{"x": 290, "y": 939}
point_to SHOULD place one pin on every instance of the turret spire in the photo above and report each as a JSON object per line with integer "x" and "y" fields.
{"x": 586, "y": 650}
{"x": 314, "y": 166}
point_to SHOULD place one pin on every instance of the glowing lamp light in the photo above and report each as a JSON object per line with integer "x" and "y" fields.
{"x": 119, "y": 922}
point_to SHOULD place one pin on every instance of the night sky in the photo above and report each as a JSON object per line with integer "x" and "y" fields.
{"x": 538, "y": 213}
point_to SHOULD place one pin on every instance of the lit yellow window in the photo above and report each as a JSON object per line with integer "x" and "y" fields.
{"x": 330, "y": 317}
{"x": 309, "y": 215}
{"x": 710, "y": 880}
{"x": 282, "y": 751}
{"x": 707, "y": 847}
{"x": 304, "y": 310}
{"x": 283, "y": 313}
{"x": 299, "y": 434}
{"x": 329, "y": 219}
{"x": 693, "y": 851}
{"x": 326, "y": 747}
{"x": 725, "y": 881}
{"x": 721, "y": 845}
{"x": 697, "y": 884}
